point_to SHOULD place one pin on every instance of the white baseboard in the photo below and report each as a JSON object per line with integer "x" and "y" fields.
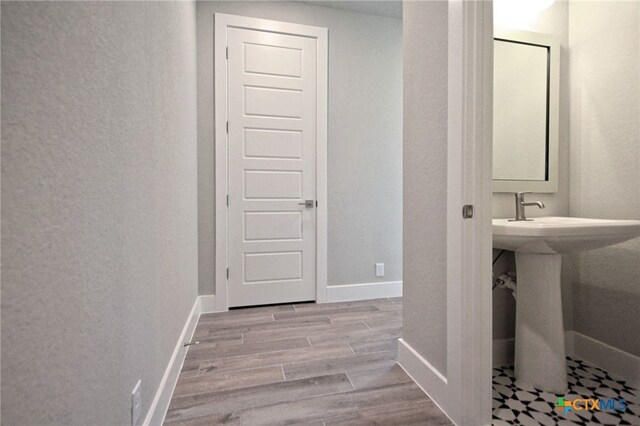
{"x": 615, "y": 361}
{"x": 426, "y": 377}
{"x": 365, "y": 291}
{"x": 158, "y": 410}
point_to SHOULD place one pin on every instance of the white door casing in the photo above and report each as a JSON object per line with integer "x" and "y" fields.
{"x": 270, "y": 157}
{"x": 469, "y": 241}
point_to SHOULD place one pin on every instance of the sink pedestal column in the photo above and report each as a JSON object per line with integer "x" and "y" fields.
{"x": 540, "y": 351}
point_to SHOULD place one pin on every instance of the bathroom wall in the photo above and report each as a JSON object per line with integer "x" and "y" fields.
{"x": 364, "y": 139}
{"x": 605, "y": 158}
{"x": 425, "y": 180}
{"x": 99, "y": 204}
{"x": 602, "y": 69}
{"x": 555, "y": 21}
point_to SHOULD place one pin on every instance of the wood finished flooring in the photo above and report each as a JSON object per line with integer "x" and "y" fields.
{"x": 302, "y": 364}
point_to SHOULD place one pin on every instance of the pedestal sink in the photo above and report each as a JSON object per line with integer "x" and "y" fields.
{"x": 538, "y": 245}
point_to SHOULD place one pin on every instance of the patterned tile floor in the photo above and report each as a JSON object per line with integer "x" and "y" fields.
{"x": 523, "y": 405}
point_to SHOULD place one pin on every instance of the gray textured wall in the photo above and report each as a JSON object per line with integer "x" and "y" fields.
{"x": 99, "y": 204}
{"x": 425, "y": 179}
{"x": 364, "y": 139}
{"x": 605, "y": 159}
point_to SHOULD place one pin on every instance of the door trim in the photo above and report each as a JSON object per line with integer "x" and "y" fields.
{"x": 476, "y": 335}
{"x": 469, "y": 241}
{"x": 222, "y": 23}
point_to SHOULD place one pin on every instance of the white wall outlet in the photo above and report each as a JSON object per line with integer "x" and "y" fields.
{"x": 379, "y": 269}
{"x": 136, "y": 404}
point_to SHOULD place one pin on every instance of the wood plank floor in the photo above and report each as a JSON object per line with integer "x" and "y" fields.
{"x": 328, "y": 364}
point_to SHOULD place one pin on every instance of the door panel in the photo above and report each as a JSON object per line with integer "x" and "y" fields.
{"x": 273, "y": 60}
{"x": 271, "y": 184}
{"x": 272, "y": 167}
{"x": 272, "y": 266}
{"x": 272, "y": 102}
{"x": 272, "y": 225}
{"x": 262, "y": 143}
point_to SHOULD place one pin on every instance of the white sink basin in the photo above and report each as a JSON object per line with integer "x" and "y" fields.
{"x": 538, "y": 246}
{"x": 561, "y": 234}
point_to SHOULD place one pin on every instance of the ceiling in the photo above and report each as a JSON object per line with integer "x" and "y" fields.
{"x": 389, "y": 8}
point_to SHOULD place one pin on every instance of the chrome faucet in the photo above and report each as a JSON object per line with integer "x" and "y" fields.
{"x": 520, "y": 205}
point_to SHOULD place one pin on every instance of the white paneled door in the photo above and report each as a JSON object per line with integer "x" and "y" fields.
{"x": 272, "y": 119}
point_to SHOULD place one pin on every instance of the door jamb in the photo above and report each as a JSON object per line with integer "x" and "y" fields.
{"x": 469, "y": 302}
{"x": 222, "y": 22}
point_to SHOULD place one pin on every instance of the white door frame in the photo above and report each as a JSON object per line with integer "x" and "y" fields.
{"x": 222, "y": 23}
{"x": 465, "y": 393}
{"x": 469, "y": 242}
{"x": 473, "y": 23}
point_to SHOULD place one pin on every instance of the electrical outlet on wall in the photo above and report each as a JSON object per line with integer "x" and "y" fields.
{"x": 379, "y": 269}
{"x": 136, "y": 404}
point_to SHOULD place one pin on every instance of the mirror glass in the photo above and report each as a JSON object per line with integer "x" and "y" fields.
{"x": 525, "y": 112}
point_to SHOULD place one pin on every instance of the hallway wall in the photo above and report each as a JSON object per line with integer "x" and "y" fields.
{"x": 364, "y": 137}
{"x": 425, "y": 180}
{"x": 99, "y": 204}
